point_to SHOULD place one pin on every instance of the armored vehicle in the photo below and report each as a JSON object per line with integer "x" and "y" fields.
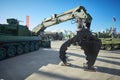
{"x": 109, "y": 41}
{"x": 17, "y": 39}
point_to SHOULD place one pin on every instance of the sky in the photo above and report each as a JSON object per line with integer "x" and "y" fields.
{"x": 102, "y": 12}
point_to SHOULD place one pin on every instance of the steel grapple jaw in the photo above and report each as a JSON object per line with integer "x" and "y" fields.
{"x": 90, "y": 44}
{"x": 63, "y": 57}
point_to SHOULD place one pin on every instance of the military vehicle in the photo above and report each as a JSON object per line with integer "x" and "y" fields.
{"x": 54, "y": 35}
{"x": 17, "y": 39}
{"x": 84, "y": 37}
{"x": 109, "y": 42}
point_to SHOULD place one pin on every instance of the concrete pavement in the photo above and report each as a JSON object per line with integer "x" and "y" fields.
{"x": 44, "y": 65}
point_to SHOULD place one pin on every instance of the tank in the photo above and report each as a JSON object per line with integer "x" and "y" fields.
{"x": 17, "y": 39}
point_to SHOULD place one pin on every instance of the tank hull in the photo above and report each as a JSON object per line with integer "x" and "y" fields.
{"x": 16, "y": 45}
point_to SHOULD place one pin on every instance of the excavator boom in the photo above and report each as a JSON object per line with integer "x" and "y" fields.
{"x": 89, "y": 43}
{"x": 78, "y": 12}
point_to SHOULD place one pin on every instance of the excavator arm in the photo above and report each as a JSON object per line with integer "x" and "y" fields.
{"x": 85, "y": 39}
{"x": 78, "y": 12}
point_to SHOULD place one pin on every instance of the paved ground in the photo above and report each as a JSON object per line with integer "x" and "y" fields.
{"x": 44, "y": 65}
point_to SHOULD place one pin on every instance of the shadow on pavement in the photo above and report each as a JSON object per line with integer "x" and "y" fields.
{"x": 110, "y": 57}
{"x": 108, "y": 70}
{"x": 20, "y": 67}
{"x": 116, "y": 51}
{"x": 99, "y": 59}
{"x": 101, "y": 69}
{"x": 56, "y": 76}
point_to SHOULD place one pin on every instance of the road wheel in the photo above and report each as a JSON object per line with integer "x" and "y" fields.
{"x": 26, "y": 49}
{"x": 36, "y": 46}
{"x": 115, "y": 46}
{"x": 19, "y": 49}
{"x": 11, "y": 51}
{"x": 32, "y": 48}
{"x": 108, "y": 47}
{"x": 2, "y": 53}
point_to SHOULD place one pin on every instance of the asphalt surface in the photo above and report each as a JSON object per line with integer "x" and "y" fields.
{"x": 44, "y": 65}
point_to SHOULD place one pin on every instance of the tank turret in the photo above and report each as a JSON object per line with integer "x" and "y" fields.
{"x": 12, "y": 21}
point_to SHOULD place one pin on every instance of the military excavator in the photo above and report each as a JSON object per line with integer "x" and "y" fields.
{"x": 88, "y": 42}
